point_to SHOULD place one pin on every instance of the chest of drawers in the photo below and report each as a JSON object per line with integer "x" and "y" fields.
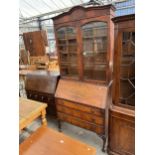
{"x": 82, "y": 104}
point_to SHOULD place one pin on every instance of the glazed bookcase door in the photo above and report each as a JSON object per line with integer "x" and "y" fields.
{"x": 95, "y": 35}
{"x": 67, "y": 47}
{"x": 127, "y": 69}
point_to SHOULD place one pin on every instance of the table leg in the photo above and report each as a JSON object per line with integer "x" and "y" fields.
{"x": 43, "y": 116}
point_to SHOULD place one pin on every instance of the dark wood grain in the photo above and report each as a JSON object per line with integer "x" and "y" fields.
{"x": 83, "y": 104}
{"x": 121, "y": 131}
{"x": 85, "y": 16}
{"x": 36, "y": 42}
{"x": 122, "y": 113}
{"x": 41, "y": 86}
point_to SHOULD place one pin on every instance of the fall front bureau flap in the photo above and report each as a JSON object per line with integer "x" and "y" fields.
{"x": 82, "y": 92}
{"x": 42, "y": 81}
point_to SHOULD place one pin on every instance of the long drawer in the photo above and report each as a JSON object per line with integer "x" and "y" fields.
{"x": 81, "y": 123}
{"x": 80, "y": 107}
{"x": 80, "y": 114}
{"x": 43, "y": 97}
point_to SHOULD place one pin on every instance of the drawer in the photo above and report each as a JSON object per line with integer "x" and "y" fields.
{"x": 81, "y": 123}
{"x": 80, "y": 107}
{"x": 40, "y": 97}
{"x": 80, "y": 114}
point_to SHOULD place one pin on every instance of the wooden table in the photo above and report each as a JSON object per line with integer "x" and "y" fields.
{"x": 46, "y": 141}
{"x": 29, "y": 110}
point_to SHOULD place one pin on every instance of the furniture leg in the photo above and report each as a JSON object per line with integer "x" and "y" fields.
{"x": 104, "y": 139}
{"x": 59, "y": 125}
{"x": 43, "y": 116}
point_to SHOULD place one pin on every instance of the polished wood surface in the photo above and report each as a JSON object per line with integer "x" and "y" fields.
{"x": 41, "y": 86}
{"x": 29, "y": 110}
{"x": 81, "y": 92}
{"x": 121, "y": 131}
{"x": 42, "y": 81}
{"x": 76, "y": 59}
{"x": 46, "y": 141}
{"x": 122, "y": 113}
{"x": 83, "y": 104}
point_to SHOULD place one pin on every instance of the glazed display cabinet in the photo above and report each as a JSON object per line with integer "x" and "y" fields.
{"x": 122, "y": 111}
{"x": 84, "y": 38}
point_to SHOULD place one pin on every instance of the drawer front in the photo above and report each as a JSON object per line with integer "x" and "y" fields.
{"x": 46, "y": 98}
{"x": 82, "y": 115}
{"x": 81, "y": 123}
{"x": 84, "y": 108}
{"x": 40, "y": 97}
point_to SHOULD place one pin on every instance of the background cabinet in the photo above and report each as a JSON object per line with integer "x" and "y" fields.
{"x": 121, "y": 131}
{"x": 122, "y": 114}
{"x": 36, "y": 42}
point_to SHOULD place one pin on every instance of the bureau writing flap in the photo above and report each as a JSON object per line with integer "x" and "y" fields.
{"x": 42, "y": 81}
{"x": 82, "y": 92}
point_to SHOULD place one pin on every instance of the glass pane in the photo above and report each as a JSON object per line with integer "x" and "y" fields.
{"x": 72, "y": 46}
{"x": 127, "y": 69}
{"x": 67, "y": 46}
{"x": 61, "y": 33}
{"x": 95, "y": 50}
{"x": 70, "y": 32}
{"x": 64, "y": 57}
{"x": 88, "y": 46}
{"x": 99, "y": 72}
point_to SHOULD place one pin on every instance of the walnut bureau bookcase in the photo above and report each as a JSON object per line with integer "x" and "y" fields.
{"x": 84, "y": 40}
{"x": 122, "y": 113}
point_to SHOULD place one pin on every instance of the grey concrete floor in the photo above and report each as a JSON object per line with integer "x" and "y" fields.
{"x": 75, "y": 132}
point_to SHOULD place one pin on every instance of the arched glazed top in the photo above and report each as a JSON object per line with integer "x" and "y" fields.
{"x": 79, "y": 12}
{"x": 93, "y": 24}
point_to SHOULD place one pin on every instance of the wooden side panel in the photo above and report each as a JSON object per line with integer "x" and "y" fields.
{"x": 121, "y": 132}
{"x": 36, "y": 42}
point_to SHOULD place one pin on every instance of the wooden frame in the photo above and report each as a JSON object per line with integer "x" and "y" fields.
{"x": 122, "y": 115}
{"x": 122, "y": 24}
{"x": 85, "y": 16}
